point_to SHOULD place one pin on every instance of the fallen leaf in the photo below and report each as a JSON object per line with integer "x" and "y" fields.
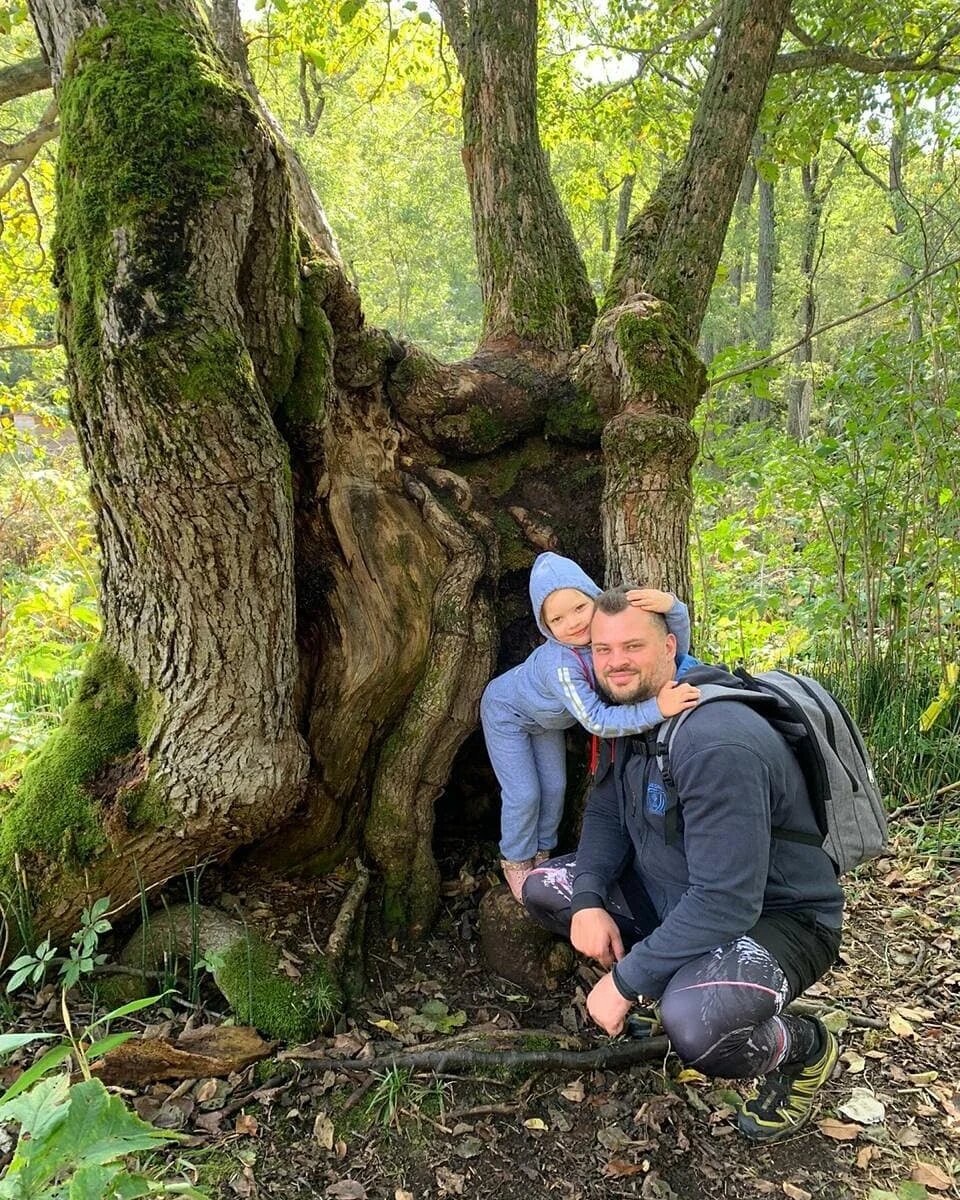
{"x": 470, "y": 1147}
{"x": 612, "y": 1138}
{"x": 915, "y": 1014}
{"x": 449, "y": 1182}
{"x": 900, "y": 1026}
{"x": 838, "y": 1130}
{"x": 796, "y": 1193}
{"x": 347, "y": 1189}
{"x": 573, "y": 1092}
{"x": 689, "y": 1075}
{"x": 909, "y": 1136}
{"x": 863, "y": 1107}
{"x": 402, "y": 1194}
{"x": 853, "y": 1061}
{"x": 924, "y": 1077}
{"x": 764, "y": 1186}
{"x": 246, "y": 1124}
{"x": 389, "y": 1026}
{"x": 835, "y": 1019}
{"x": 616, "y": 1168}
{"x": 864, "y": 1157}
{"x": 535, "y": 1123}
{"x": 932, "y": 1177}
{"x": 323, "y": 1131}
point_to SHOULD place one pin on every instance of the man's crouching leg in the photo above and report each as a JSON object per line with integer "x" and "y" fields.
{"x": 723, "y": 1015}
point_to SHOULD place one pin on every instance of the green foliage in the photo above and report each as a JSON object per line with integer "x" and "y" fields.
{"x": 397, "y": 1095}
{"x": 75, "y": 1139}
{"x": 83, "y": 957}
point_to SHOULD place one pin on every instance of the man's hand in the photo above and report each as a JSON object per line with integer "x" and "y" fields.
{"x": 674, "y": 697}
{"x": 594, "y": 932}
{"x": 607, "y": 1007}
{"x": 651, "y": 599}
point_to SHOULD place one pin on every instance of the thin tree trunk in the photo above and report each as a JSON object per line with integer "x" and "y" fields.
{"x": 623, "y": 205}
{"x": 800, "y": 384}
{"x": 766, "y": 269}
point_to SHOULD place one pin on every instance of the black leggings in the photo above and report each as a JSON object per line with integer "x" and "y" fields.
{"x": 722, "y": 1010}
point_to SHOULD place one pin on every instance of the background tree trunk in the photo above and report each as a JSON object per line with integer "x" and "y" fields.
{"x": 763, "y": 299}
{"x": 800, "y": 384}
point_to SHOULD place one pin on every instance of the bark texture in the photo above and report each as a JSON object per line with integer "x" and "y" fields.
{"x": 532, "y": 276}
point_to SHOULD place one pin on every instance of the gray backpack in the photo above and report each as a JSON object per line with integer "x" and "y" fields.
{"x": 827, "y": 744}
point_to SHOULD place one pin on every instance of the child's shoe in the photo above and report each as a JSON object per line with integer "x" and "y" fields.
{"x": 515, "y": 872}
{"x": 541, "y": 857}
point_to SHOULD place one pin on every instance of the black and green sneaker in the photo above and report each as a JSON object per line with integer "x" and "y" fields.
{"x": 786, "y": 1097}
{"x": 643, "y": 1022}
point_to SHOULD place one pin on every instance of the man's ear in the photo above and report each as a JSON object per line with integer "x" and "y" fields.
{"x": 671, "y": 642}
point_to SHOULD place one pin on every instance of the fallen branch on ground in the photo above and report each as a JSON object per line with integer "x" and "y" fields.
{"x": 613, "y": 1055}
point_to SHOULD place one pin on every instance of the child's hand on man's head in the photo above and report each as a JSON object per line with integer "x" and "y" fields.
{"x": 651, "y": 599}
{"x": 676, "y": 697}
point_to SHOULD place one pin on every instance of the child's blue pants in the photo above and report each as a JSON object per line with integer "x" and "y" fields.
{"x": 531, "y": 768}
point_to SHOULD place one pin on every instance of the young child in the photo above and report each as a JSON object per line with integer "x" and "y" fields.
{"x": 525, "y": 711}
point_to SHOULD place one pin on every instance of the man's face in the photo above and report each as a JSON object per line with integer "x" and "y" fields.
{"x": 632, "y": 655}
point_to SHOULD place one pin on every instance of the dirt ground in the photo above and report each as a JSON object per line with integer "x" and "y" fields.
{"x": 888, "y": 1127}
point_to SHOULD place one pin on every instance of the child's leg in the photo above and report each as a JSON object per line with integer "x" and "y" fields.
{"x": 550, "y": 756}
{"x": 511, "y": 756}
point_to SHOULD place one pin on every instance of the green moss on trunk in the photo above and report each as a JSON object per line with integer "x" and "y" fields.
{"x": 145, "y": 139}
{"x": 53, "y": 813}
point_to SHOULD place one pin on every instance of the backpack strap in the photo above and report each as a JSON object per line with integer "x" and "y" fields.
{"x": 667, "y": 731}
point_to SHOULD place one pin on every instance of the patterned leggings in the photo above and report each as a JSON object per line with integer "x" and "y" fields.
{"x": 721, "y": 1011}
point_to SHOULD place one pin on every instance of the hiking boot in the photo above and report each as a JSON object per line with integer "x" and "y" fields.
{"x": 515, "y": 872}
{"x": 541, "y": 857}
{"x": 786, "y": 1096}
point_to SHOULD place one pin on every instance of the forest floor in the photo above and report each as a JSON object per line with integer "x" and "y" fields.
{"x": 888, "y": 1127}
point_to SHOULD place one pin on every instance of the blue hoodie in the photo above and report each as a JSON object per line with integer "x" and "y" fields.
{"x": 554, "y": 687}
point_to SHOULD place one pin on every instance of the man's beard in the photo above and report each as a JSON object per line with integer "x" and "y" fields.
{"x": 641, "y": 689}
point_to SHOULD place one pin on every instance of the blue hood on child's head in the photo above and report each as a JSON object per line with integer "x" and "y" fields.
{"x": 550, "y": 573}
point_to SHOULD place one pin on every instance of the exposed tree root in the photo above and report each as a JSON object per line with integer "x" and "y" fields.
{"x": 339, "y": 940}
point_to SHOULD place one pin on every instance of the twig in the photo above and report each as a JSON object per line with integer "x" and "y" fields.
{"x": 612, "y": 1055}
{"x": 815, "y": 1007}
{"x": 482, "y": 1110}
{"x": 340, "y": 934}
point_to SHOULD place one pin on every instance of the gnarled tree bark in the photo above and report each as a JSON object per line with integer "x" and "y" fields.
{"x": 314, "y": 536}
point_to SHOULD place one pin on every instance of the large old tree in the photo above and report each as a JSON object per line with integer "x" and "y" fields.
{"x": 305, "y": 575}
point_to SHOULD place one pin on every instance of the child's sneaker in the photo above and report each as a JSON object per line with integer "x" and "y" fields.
{"x": 786, "y": 1096}
{"x": 643, "y": 1022}
{"x": 515, "y": 872}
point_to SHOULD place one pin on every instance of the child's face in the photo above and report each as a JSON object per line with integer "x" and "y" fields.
{"x": 567, "y": 613}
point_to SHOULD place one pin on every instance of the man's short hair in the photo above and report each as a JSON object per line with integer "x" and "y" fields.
{"x": 614, "y": 600}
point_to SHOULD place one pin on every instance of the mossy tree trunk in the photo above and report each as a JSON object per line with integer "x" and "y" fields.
{"x": 305, "y": 522}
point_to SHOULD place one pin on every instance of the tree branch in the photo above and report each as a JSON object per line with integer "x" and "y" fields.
{"x": 23, "y": 78}
{"x": 872, "y": 175}
{"x": 862, "y": 312}
{"x": 815, "y": 56}
{"x": 454, "y": 17}
{"x": 23, "y": 153}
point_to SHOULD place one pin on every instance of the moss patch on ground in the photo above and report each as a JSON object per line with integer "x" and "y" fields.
{"x": 249, "y": 975}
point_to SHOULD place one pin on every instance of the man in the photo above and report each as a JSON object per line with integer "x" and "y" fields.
{"x": 686, "y": 893}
